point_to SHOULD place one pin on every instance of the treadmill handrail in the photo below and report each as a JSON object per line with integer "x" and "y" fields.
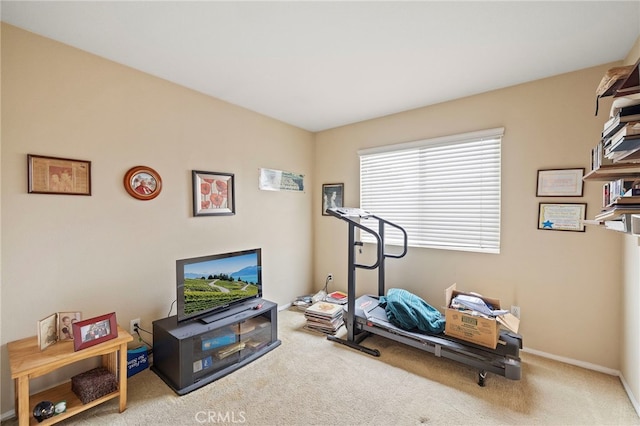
{"x": 379, "y": 253}
{"x": 405, "y": 242}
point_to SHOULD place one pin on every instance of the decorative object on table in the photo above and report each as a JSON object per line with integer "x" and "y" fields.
{"x": 562, "y": 217}
{"x": 60, "y": 407}
{"x": 142, "y": 183}
{"x": 54, "y": 175}
{"x": 278, "y": 180}
{"x": 56, "y": 328}
{"x": 213, "y": 193}
{"x": 65, "y": 320}
{"x": 47, "y": 331}
{"x": 560, "y": 183}
{"x": 94, "y": 330}
{"x": 43, "y": 410}
{"x": 94, "y": 384}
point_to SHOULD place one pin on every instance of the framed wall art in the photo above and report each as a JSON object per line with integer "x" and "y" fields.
{"x": 332, "y": 196}
{"x": 213, "y": 193}
{"x": 562, "y": 217}
{"x": 54, "y": 175}
{"x": 95, "y": 330}
{"x": 560, "y": 183}
{"x": 142, "y": 183}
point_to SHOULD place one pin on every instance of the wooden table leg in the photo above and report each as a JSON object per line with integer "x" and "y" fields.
{"x": 22, "y": 399}
{"x": 122, "y": 380}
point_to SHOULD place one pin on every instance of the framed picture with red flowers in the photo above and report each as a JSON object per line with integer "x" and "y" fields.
{"x": 213, "y": 194}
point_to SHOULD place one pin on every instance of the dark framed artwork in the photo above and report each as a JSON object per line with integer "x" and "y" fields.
{"x": 332, "y": 196}
{"x": 213, "y": 193}
{"x": 560, "y": 183}
{"x": 562, "y": 216}
{"x": 94, "y": 330}
{"x": 142, "y": 183}
{"x": 54, "y": 175}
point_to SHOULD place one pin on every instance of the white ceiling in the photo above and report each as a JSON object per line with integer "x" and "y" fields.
{"x": 319, "y": 65}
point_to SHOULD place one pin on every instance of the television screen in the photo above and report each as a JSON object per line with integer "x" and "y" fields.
{"x": 208, "y": 284}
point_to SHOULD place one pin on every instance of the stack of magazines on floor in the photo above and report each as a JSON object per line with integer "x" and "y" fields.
{"x": 324, "y": 317}
{"x": 303, "y": 302}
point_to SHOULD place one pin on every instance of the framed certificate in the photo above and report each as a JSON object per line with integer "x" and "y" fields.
{"x": 562, "y": 217}
{"x": 560, "y": 183}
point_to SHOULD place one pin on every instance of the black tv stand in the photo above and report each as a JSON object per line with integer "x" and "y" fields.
{"x": 231, "y": 310}
{"x": 192, "y": 354}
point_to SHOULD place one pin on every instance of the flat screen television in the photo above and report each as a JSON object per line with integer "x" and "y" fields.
{"x": 207, "y": 285}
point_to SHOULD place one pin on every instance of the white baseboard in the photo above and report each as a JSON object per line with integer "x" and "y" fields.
{"x": 8, "y": 415}
{"x": 575, "y": 362}
{"x": 590, "y": 366}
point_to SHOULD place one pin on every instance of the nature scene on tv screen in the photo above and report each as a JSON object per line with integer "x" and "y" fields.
{"x": 219, "y": 282}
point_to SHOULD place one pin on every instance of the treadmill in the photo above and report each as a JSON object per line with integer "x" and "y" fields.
{"x": 364, "y": 316}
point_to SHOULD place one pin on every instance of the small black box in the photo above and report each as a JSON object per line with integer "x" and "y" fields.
{"x": 94, "y": 384}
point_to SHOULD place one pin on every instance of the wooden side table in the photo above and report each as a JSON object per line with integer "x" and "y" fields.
{"x": 27, "y": 362}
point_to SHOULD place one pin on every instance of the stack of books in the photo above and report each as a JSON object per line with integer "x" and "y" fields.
{"x": 303, "y": 302}
{"x": 620, "y": 139}
{"x": 619, "y": 197}
{"x": 324, "y": 317}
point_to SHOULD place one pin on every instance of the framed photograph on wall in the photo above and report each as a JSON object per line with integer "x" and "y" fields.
{"x": 562, "y": 216}
{"x": 95, "y": 330}
{"x": 560, "y": 183}
{"x": 54, "y": 175}
{"x": 332, "y": 196}
{"x": 213, "y": 193}
{"x": 142, "y": 183}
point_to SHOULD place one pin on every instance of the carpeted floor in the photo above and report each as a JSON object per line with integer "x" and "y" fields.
{"x": 309, "y": 380}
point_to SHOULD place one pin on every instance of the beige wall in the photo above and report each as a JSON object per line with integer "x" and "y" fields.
{"x": 630, "y": 345}
{"x": 566, "y": 283}
{"x": 111, "y": 252}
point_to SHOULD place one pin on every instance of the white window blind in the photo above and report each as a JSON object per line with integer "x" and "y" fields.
{"x": 444, "y": 192}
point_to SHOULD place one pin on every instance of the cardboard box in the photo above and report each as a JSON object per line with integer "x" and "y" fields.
{"x": 476, "y": 328}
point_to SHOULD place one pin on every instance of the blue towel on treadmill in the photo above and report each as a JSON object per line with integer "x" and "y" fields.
{"x": 410, "y": 312}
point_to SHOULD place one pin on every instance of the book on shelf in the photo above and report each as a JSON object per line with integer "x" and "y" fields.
{"x": 615, "y": 123}
{"x": 624, "y": 139}
{"x": 597, "y": 157}
{"x": 624, "y": 144}
{"x": 617, "y": 210}
{"x": 626, "y": 200}
{"x": 616, "y": 189}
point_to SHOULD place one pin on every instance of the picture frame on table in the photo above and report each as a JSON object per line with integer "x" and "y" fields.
{"x": 55, "y": 175}
{"x": 47, "y": 331}
{"x": 213, "y": 193}
{"x": 560, "y": 183}
{"x": 92, "y": 331}
{"x": 332, "y": 196}
{"x": 65, "y": 325}
{"x": 142, "y": 183}
{"x": 562, "y": 216}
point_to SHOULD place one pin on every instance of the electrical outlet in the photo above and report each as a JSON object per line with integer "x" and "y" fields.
{"x": 515, "y": 310}
{"x": 133, "y": 324}
{"x": 330, "y": 277}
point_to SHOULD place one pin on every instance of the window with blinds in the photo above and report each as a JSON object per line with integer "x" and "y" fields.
{"x": 445, "y": 192}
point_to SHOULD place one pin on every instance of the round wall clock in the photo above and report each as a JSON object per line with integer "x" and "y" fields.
{"x": 143, "y": 183}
